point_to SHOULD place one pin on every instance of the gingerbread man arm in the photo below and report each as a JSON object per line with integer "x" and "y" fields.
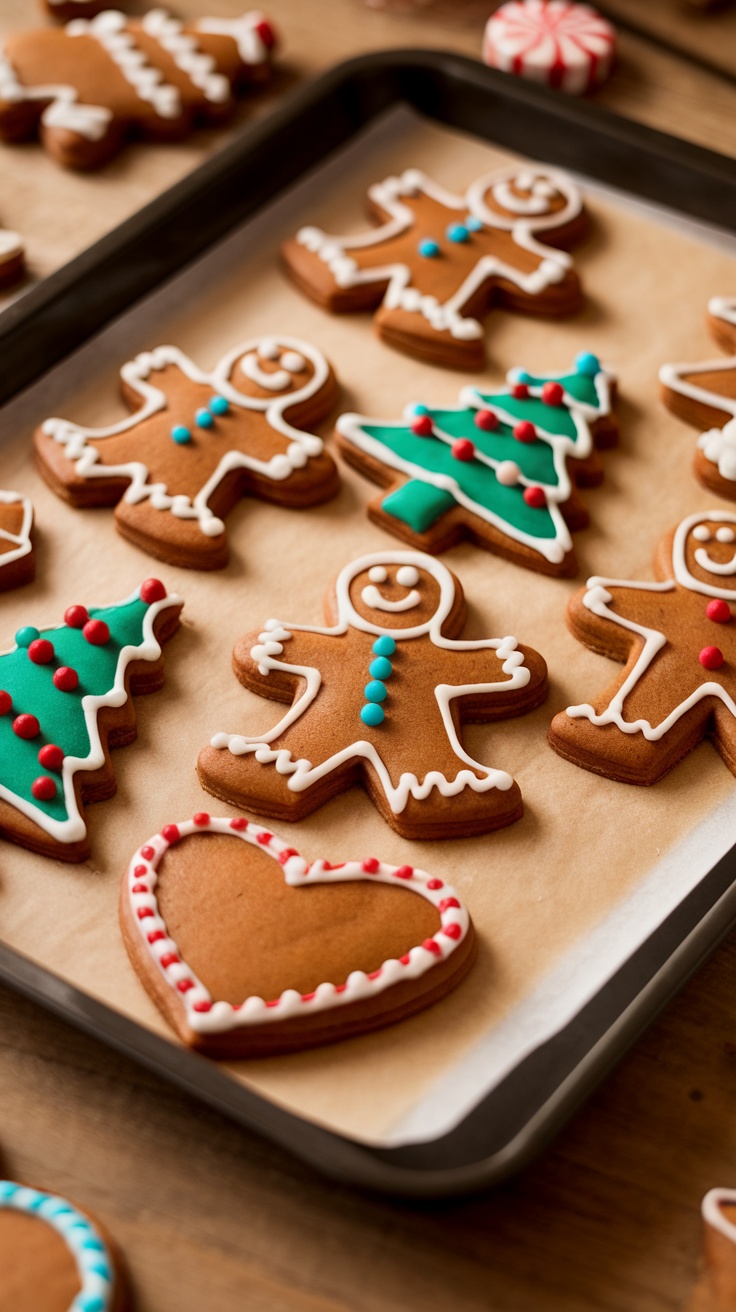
{"x": 282, "y": 660}
{"x": 491, "y": 679}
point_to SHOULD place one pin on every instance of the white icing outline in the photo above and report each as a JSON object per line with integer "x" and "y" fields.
{"x": 400, "y": 293}
{"x": 251, "y": 46}
{"x": 302, "y": 773}
{"x": 222, "y": 1017}
{"x": 713, "y": 1215}
{"x": 75, "y": 1229}
{"x": 73, "y": 829}
{"x": 717, "y": 444}
{"x": 201, "y": 69}
{"x": 22, "y": 539}
{"x": 110, "y": 29}
{"x": 352, "y": 427}
{"x": 597, "y": 599}
{"x": 135, "y": 374}
{"x": 533, "y": 37}
{"x": 63, "y": 111}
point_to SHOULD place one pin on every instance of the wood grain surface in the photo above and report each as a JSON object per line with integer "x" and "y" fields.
{"x": 213, "y": 1219}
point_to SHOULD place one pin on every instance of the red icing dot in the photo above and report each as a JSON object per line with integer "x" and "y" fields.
{"x": 184, "y": 985}
{"x": 266, "y": 33}
{"x": 51, "y": 757}
{"x": 370, "y": 865}
{"x": 144, "y": 913}
{"x": 463, "y": 449}
{"x": 307, "y": 997}
{"x": 152, "y": 590}
{"x": 264, "y": 837}
{"x": 718, "y": 610}
{"x": 76, "y": 617}
{"x": 239, "y": 822}
{"x": 525, "y": 431}
{"x": 553, "y": 393}
{"x": 201, "y": 818}
{"x": 147, "y": 853}
{"x": 711, "y": 658}
{"x": 286, "y": 855}
{"x": 66, "y": 679}
{"x": 96, "y": 632}
{"x": 274, "y": 1002}
{"x": 139, "y": 872}
{"x": 155, "y": 936}
{"x": 374, "y": 974}
{"x": 43, "y": 788}
{"x": 41, "y": 651}
{"x": 535, "y": 497}
{"x": 520, "y": 391}
{"x": 171, "y": 834}
{"x": 340, "y": 988}
{"x": 448, "y": 902}
{"x": 452, "y": 931}
{"x": 435, "y": 883}
{"x": 26, "y": 726}
{"x": 140, "y": 888}
{"x": 405, "y": 959}
{"x": 431, "y": 946}
{"x": 6, "y": 702}
{"x": 486, "y": 420}
{"x": 203, "y": 1006}
{"x": 421, "y": 425}
{"x": 404, "y": 872}
{"x": 169, "y": 958}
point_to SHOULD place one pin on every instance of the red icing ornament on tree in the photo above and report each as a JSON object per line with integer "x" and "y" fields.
{"x": 535, "y": 497}
{"x": 26, "y": 726}
{"x": 463, "y": 449}
{"x": 525, "y": 431}
{"x": 553, "y": 393}
{"x": 421, "y": 426}
{"x": 6, "y": 702}
{"x": 51, "y": 757}
{"x": 65, "y": 678}
{"x": 520, "y": 391}
{"x": 718, "y": 610}
{"x": 41, "y": 651}
{"x": 76, "y": 616}
{"x": 152, "y": 590}
{"x": 711, "y": 658}
{"x": 486, "y": 420}
{"x": 43, "y": 788}
{"x": 96, "y": 632}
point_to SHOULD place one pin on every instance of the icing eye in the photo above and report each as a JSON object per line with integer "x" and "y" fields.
{"x": 268, "y": 349}
{"x": 407, "y": 576}
{"x": 701, "y": 533}
{"x": 293, "y": 362}
{"x": 725, "y": 534}
{"x": 377, "y": 574}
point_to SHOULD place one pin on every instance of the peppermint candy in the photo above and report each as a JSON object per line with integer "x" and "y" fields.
{"x": 561, "y": 44}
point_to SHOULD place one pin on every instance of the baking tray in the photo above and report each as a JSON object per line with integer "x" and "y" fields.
{"x": 503, "y": 1129}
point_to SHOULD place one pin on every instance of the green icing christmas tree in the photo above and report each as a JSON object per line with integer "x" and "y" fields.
{"x": 52, "y": 686}
{"x": 502, "y": 455}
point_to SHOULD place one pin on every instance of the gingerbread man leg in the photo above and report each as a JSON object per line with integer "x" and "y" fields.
{"x": 628, "y": 757}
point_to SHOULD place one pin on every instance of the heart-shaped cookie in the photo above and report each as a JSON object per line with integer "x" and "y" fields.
{"x": 54, "y": 1258}
{"x": 247, "y": 949}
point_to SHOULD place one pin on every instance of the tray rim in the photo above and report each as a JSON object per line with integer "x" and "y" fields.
{"x": 89, "y": 292}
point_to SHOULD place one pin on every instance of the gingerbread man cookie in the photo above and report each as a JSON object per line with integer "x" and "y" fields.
{"x": 17, "y": 556}
{"x": 389, "y": 659}
{"x": 65, "y": 700}
{"x": 88, "y": 86}
{"x": 196, "y": 443}
{"x": 705, "y": 394}
{"x": 439, "y": 261}
{"x": 248, "y": 949}
{"x": 55, "y": 1257}
{"x": 501, "y": 470}
{"x": 678, "y": 639}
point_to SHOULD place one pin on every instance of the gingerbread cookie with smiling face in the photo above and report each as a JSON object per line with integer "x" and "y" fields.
{"x": 439, "y": 261}
{"x": 389, "y": 659}
{"x": 87, "y": 87}
{"x": 248, "y": 949}
{"x": 55, "y": 1257}
{"x": 196, "y": 443}
{"x": 704, "y": 395}
{"x": 677, "y": 638}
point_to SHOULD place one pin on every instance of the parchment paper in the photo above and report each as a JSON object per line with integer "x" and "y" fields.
{"x": 538, "y": 891}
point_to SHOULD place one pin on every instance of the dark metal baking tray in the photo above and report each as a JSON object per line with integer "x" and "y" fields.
{"x": 521, "y": 1113}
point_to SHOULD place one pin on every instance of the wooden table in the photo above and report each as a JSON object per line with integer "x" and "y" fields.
{"x": 213, "y": 1219}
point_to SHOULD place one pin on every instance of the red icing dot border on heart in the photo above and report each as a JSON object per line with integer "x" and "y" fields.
{"x": 206, "y": 1015}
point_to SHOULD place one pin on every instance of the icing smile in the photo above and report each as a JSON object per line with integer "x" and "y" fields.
{"x": 713, "y": 566}
{"x": 373, "y": 598}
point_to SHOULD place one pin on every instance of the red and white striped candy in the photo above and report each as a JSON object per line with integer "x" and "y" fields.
{"x": 565, "y": 45}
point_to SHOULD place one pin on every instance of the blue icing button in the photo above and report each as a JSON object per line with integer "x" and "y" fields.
{"x": 375, "y": 691}
{"x": 204, "y": 419}
{"x": 587, "y": 363}
{"x": 219, "y": 405}
{"x": 380, "y": 668}
{"x": 372, "y": 715}
{"x": 25, "y": 636}
{"x": 384, "y": 646}
{"x": 472, "y": 224}
{"x": 428, "y": 248}
{"x": 458, "y": 232}
{"x": 181, "y": 434}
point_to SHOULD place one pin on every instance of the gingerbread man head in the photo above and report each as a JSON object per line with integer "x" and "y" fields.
{"x": 268, "y": 369}
{"x": 401, "y": 593}
{"x": 704, "y": 553}
{"x": 535, "y": 198}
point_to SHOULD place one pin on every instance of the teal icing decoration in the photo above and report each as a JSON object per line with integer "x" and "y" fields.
{"x": 25, "y": 636}
{"x": 418, "y": 504}
{"x": 587, "y": 363}
{"x": 204, "y": 419}
{"x": 429, "y": 249}
{"x": 458, "y": 233}
{"x": 375, "y": 691}
{"x": 219, "y": 405}
{"x": 181, "y": 434}
{"x": 372, "y": 715}
{"x": 473, "y": 224}
{"x": 380, "y": 668}
{"x": 384, "y": 646}
{"x": 94, "y": 1263}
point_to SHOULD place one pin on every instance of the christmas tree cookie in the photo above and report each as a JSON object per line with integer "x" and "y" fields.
{"x": 379, "y": 696}
{"x": 500, "y": 469}
{"x": 677, "y": 638}
{"x": 196, "y": 442}
{"x": 705, "y": 395}
{"x": 438, "y": 261}
{"x": 65, "y": 700}
{"x": 55, "y": 1257}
